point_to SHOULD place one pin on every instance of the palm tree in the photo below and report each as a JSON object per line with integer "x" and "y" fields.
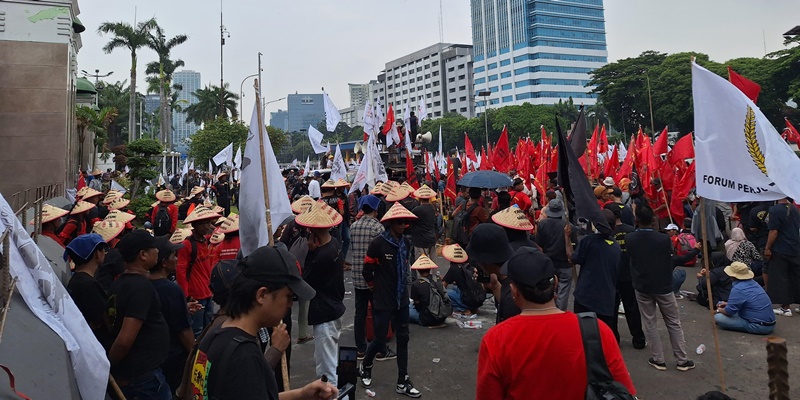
{"x": 164, "y": 68}
{"x": 115, "y": 95}
{"x": 103, "y": 121}
{"x": 126, "y": 36}
{"x": 208, "y": 105}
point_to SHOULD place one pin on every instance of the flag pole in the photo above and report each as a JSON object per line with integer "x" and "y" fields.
{"x": 664, "y": 194}
{"x": 711, "y": 305}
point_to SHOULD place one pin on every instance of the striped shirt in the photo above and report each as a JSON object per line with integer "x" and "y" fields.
{"x": 362, "y": 232}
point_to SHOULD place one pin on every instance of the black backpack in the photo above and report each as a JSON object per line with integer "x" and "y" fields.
{"x": 163, "y": 222}
{"x": 439, "y": 306}
{"x": 473, "y": 294}
{"x": 600, "y": 384}
{"x": 461, "y": 226}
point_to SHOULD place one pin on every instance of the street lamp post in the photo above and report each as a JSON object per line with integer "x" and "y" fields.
{"x": 241, "y": 95}
{"x": 485, "y": 94}
{"x": 222, "y": 33}
{"x": 96, "y": 77}
{"x": 264, "y": 108}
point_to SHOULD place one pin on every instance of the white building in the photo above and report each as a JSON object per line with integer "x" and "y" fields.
{"x": 359, "y": 93}
{"x": 353, "y": 115}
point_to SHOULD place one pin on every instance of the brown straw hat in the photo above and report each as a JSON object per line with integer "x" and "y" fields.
{"x": 108, "y": 229}
{"x": 329, "y": 184}
{"x": 454, "y": 253}
{"x": 513, "y": 218}
{"x": 118, "y": 204}
{"x": 82, "y": 206}
{"x": 231, "y": 224}
{"x": 119, "y": 216}
{"x": 88, "y": 193}
{"x": 739, "y": 270}
{"x": 320, "y": 215}
{"x": 424, "y": 192}
{"x": 219, "y": 221}
{"x": 377, "y": 189}
{"x": 389, "y": 185}
{"x": 424, "y": 262}
{"x": 96, "y": 172}
{"x": 342, "y": 183}
{"x": 219, "y": 210}
{"x": 398, "y": 212}
{"x": 111, "y": 196}
{"x": 51, "y": 213}
{"x": 196, "y": 190}
{"x": 217, "y": 237}
{"x": 397, "y": 194}
{"x": 207, "y": 203}
{"x": 180, "y": 235}
{"x": 302, "y": 204}
{"x": 166, "y": 196}
{"x": 200, "y": 213}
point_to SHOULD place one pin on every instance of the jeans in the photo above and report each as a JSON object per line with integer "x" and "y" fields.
{"x": 302, "y": 318}
{"x": 326, "y": 349}
{"x": 345, "y": 238}
{"x": 363, "y": 299}
{"x": 564, "y": 275}
{"x": 399, "y": 319}
{"x": 454, "y": 292}
{"x": 678, "y": 277}
{"x": 202, "y": 318}
{"x": 737, "y": 323}
{"x": 669, "y": 310}
{"x": 152, "y": 386}
{"x": 413, "y": 314}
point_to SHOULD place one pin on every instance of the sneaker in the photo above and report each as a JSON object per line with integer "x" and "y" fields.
{"x": 686, "y": 365}
{"x": 365, "y": 374}
{"x": 360, "y": 355}
{"x": 679, "y": 296}
{"x": 783, "y": 311}
{"x": 661, "y": 366}
{"x": 621, "y": 309}
{"x": 388, "y": 355}
{"x": 407, "y": 388}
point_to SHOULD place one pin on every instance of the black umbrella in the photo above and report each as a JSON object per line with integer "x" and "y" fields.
{"x": 485, "y": 180}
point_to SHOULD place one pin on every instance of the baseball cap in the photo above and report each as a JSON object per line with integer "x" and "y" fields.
{"x": 488, "y": 243}
{"x": 277, "y": 265}
{"x": 165, "y": 247}
{"x": 673, "y": 227}
{"x": 134, "y": 242}
{"x": 84, "y": 246}
{"x": 601, "y": 190}
{"x": 528, "y": 266}
{"x": 369, "y": 200}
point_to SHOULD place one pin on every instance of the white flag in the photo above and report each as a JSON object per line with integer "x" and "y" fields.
{"x": 224, "y": 156}
{"x": 252, "y": 210}
{"x": 739, "y": 154}
{"x": 407, "y": 118}
{"x": 338, "y": 169}
{"x": 315, "y": 137}
{"x": 184, "y": 171}
{"x": 127, "y": 169}
{"x": 369, "y": 118}
{"x": 116, "y": 186}
{"x": 161, "y": 181}
{"x": 237, "y": 159}
{"x": 294, "y": 162}
{"x": 332, "y": 116}
{"x": 49, "y": 301}
{"x": 423, "y": 110}
{"x": 191, "y": 166}
{"x": 307, "y": 169}
{"x": 371, "y": 169}
{"x": 210, "y": 167}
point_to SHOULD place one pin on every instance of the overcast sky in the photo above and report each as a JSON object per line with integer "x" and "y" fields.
{"x": 309, "y": 44}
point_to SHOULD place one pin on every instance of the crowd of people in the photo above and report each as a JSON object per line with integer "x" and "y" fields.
{"x": 172, "y": 298}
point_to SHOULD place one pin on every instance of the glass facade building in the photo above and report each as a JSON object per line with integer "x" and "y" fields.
{"x": 537, "y": 51}
{"x": 190, "y": 81}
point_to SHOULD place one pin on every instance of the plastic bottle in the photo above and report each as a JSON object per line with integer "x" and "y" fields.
{"x": 370, "y": 393}
{"x": 701, "y": 349}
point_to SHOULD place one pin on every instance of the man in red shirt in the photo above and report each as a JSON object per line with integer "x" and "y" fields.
{"x": 194, "y": 265}
{"x": 519, "y": 197}
{"x": 166, "y": 201}
{"x": 230, "y": 245}
{"x": 523, "y": 356}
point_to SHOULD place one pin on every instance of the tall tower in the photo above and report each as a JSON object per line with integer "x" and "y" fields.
{"x": 190, "y": 80}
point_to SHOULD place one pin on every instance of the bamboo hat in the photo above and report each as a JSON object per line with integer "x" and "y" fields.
{"x": 424, "y": 262}
{"x": 454, "y": 253}
{"x": 207, "y": 204}
{"x": 166, "y": 196}
{"x": 513, "y": 218}
{"x": 200, "y": 213}
{"x": 390, "y": 185}
{"x": 108, "y": 229}
{"x": 118, "y": 204}
{"x": 424, "y": 192}
{"x": 81, "y": 192}
{"x": 88, "y": 193}
{"x": 219, "y": 210}
{"x": 219, "y": 221}
{"x": 217, "y": 237}
{"x": 320, "y": 215}
{"x": 399, "y": 193}
{"x": 377, "y": 189}
{"x": 82, "y": 206}
{"x": 302, "y": 204}
{"x": 196, "y": 190}
{"x": 119, "y": 216}
{"x": 329, "y": 184}
{"x": 398, "y": 212}
{"x": 51, "y": 213}
{"x": 231, "y": 224}
{"x": 96, "y": 172}
{"x": 342, "y": 183}
{"x": 111, "y": 196}
{"x": 180, "y": 235}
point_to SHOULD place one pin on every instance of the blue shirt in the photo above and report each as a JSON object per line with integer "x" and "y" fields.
{"x": 750, "y": 301}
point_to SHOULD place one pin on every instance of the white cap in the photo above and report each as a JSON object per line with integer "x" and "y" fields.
{"x": 609, "y": 181}
{"x": 673, "y": 227}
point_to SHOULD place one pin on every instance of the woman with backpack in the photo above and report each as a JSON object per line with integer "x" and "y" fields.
{"x": 429, "y": 305}
{"x": 465, "y": 292}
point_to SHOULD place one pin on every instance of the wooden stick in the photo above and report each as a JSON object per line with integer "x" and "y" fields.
{"x": 8, "y": 305}
{"x": 777, "y": 368}
{"x": 115, "y": 387}
{"x": 664, "y": 193}
{"x": 711, "y": 305}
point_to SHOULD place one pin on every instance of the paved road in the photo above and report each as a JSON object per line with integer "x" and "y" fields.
{"x": 453, "y": 376}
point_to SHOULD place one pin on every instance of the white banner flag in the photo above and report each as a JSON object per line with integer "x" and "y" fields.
{"x": 237, "y": 159}
{"x": 332, "y": 116}
{"x": 371, "y": 169}
{"x": 252, "y": 210}
{"x": 116, "y": 186}
{"x": 224, "y": 156}
{"x": 338, "y": 169}
{"x": 739, "y": 154}
{"x": 423, "y": 111}
{"x": 315, "y": 137}
{"x": 307, "y": 169}
{"x": 184, "y": 171}
{"x": 369, "y": 118}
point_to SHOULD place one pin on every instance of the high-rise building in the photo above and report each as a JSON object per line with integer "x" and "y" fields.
{"x": 190, "y": 81}
{"x": 151, "y": 103}
{"x": 304, "y": 110}
{"x": 537, "y": 51}
{"x": 359, "y": 93}
{"x": 279, "y": 119}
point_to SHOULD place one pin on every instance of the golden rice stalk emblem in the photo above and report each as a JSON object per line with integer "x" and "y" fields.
{"x": 751, "y": 141}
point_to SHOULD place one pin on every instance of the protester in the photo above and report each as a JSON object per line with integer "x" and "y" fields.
{"x": 739, "y": 249}
{"x": 783, "y": 253}
{"x": 230, "y": 245}
{"x": 423, "y": 231}
{"x": 516, "y": 225}
{"x": 222, "y": 192}
{"x": 721, "y": 283}
{"x": 51, "y": 220}
{"x": 386, "y": 268}
{"x": 539, "y": 354}
{"x": 194, "y": 265}
{"x": 518, "y": 196}
{"x": 165, "y": 215}
{"x": 550, "y": 237}
{"x": 419, "y": 312}
{"x": 748, "y": 308}
{"x": 626, "y": 213}
{"x": 76, "y": 223}
{"x": 313, "y": 186}
{"x": 88, "y": 252}
{"x": 462, "y": 277}
{"x": 626, "y": 295}
{"x": 660, "y": 204}
{"x": 473, "y": 210}
{"x": 489, "y": 249}
{"x": 93, "y": 215}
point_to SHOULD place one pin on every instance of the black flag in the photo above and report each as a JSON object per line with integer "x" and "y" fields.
{"x": 577, "y": 138}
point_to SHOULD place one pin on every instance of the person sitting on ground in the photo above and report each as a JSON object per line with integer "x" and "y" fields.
{"x": 88, "y": 252}
{"x": 418, "y": 310}
{"x": 462, "y": 278}
{"x": 720, "y": 281}
{"x": 738, "y": 248}
{"x": 748, "y": 308}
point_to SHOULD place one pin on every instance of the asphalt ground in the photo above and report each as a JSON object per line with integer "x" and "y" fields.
{"x": 443, "y": 362}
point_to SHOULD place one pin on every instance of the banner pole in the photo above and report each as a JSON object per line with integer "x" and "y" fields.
{"x": 711, "y": 305}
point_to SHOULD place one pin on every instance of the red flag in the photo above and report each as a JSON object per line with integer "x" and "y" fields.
{"x": 450, "y": 188}
{"x": 501, "y": 157}
{"x": 646, "y": 166}
{"x": 464, "y": 168}
{"x": 748, "y": 87}
{"x": 612, "y": 163}
{"x": 486, "y": 165}
{"x": 387, "y": 125}
{"x": 591, "y": 154}
{"x": 660, "y": 148}
{"x": 683, "y": 149}
{"x": 683, "y": 184}
{"x": 541, "y": 184}
{"x": 411, "y": 174}
{"x": 627, "y": 165}
{"x": 602, "y": 144}
{"x": 81, "y": 181}
{"x": 792, "y": 136}
{"x": 553, "y": 167}
{"x": 469, "y": 150}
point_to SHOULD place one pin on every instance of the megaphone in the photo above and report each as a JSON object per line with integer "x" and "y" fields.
{"x": 426, "y": 138}
{"x": 357, "y": 148}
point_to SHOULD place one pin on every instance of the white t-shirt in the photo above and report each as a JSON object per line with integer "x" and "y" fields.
{"x": 313, "y": 189}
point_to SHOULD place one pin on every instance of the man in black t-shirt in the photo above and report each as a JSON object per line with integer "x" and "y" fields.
{"x": 489, "y": 249}
{"x": 88, "y": 252}
{"x": 550, "y": 237}
{"x": 139, "y": 333}
{"x": 423, "y": 231}
{"x": 783, "y": 252}
{"x": 625, "y": 293}
{"x": 229, "y": 363}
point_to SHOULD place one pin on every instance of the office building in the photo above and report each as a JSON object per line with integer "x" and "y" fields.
{"x": 151, "y": 103}
{"x": 190, "y": 81}
{"x": 304, "y": 110}
{"x": 537, "y": 51}
{"x": 359, "y": 93}
{"x": 440, "y": 75}
{"x": 279, "y": 119}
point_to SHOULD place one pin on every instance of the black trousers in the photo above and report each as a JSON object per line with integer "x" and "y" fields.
{"x": 627, "y": 296}
{"x": 381, "y": 320}
{"x": 610, "y": 320}
{"x": 363, "y": 299}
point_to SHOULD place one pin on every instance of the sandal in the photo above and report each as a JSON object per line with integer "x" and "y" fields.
{"x": 306, "y": 338}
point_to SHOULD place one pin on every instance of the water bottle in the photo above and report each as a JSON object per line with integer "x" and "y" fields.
{"x": 701, "y": 349}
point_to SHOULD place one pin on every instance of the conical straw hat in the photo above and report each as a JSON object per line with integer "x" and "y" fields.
{"x": 200, "y": 213}
{"x": 111, "y": 196}
{"x": 398, "y": 212}
{"x": 302, "y": 204}
{"x": 218, "y": 209}
{"x": 231, "y": 224}
{"x": 118, "y": 204}
{"x": 378, "y": 189}
{"x": 342, "y": 183}
{"x": 119, "y": 216}
{"x": 208, "y": 204}
{"x": 88, "y": 193}
{"x": 96, "y": 171}
{"x": 51, "y": 213}
{"x": 454, "y": 253}
{"x": 399, "y": 193}
{"x": 81, "y": 192}
{"x": 82, "y": 206}
{"x": 180, "y": 235}
{"x": 319, "y": 216}
{"x": 513, "y": 218}
{"x": 424, "y": 262}
{"x": 108, "y": 229}
{"x": 154, "y": 205}
{"x": 219, "y": 221}
{"x": 217, "y": 237}
{"x": 166, "y": 196}
{"x": 424, "y": 192}
{"x": 329, "y": 184}
{"x": 390, "y": 185}
{"x": 196, "y": 190}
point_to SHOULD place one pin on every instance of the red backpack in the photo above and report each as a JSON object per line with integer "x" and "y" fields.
{"x": 685, "y": 243}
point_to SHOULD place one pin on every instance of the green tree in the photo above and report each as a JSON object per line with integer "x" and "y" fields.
{"x": 142, "y": 158}
{"x": 208, "y": 104}
{"x": 133, "y": 39}
{"x": 278, "y": 139}
{"x": 214, "y": 136}
{"x": 85, "y": 120}
{"x": 103, "y": 120}
{"x": 115, "y": 95}
{"x": 162, "y": 71}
